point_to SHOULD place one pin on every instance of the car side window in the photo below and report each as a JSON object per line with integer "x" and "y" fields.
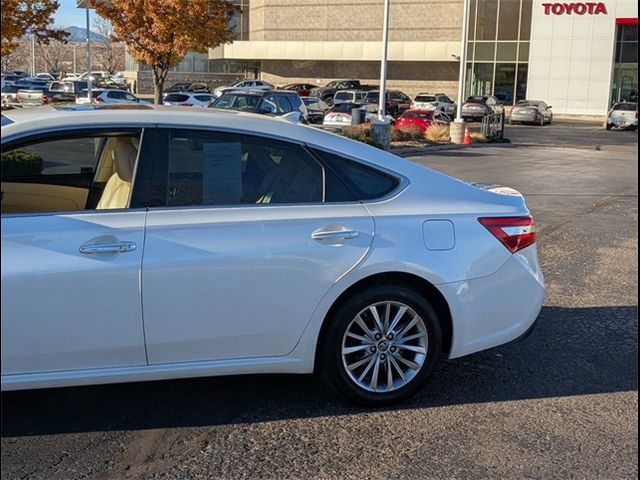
{"x": 364, "y": 182}
{"x": 69, "y": 172}
{"x": 270, "y": 101}
{"x": 283, "y": 104}
{"x": 130, "y": 97}
{"x": 206, "y": 168}
{"x": 296, "y": 102}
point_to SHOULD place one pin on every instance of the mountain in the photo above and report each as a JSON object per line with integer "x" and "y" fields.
{"x": 79, "y": 34}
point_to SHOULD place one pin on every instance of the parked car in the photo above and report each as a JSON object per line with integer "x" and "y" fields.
{"x": 349, "y": 96}
{"x": 103, "y": 76}
{"x": 273, "y": 102}
{"x": 189, "y": 243}
{"x": 34, "y": 96}
{"x": 188, "y": 87}
{"x": 316, "y": 109}
{"x": 66, "y": 91}
{"x": 422, "y": 119}
{"x": 623, "y": 115}
{"x": 18, "y": 73}
{"x": 396, "y": 101}
{"x": 8, "y": 95}
{"x": 252, "y": 84}
{"x": 339, "y": 115}
{"x": 202, "y": 100}
{"x": 436, "y": 101}
{"x": 327, "y": 92}
{"x": 100, "y": 95}
{"x": 477, "y": 107}
{"x": 531, "y": 111}
{"x": 47, "y": 77}
{"x": 9, "y": 79}
{"x": 301, "y": 89}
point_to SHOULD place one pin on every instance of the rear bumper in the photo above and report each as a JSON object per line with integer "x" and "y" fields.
{"x": 622, "y": 123}
{"x": 524, "y": 117}
{"x": 496, "y": 309}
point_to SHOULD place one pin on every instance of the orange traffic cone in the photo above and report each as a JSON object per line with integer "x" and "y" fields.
{"x": 467, "y": 138}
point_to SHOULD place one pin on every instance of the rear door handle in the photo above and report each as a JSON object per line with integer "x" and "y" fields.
{"x": 334, "y": 234}
{"x": 120, "y": 247}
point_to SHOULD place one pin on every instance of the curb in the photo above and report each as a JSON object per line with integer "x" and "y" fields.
{"x": 407, "y": 151}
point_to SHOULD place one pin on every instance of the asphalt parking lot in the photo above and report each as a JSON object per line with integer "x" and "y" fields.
{"x": 561, "y": 404}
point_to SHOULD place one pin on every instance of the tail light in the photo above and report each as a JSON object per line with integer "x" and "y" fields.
{"x": 45, "y": 99}
{"x": 515, "y": 233}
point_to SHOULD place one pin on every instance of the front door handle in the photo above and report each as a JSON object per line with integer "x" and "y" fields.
{"x": 119, "y": 247}
{"x": 334, "y": 234}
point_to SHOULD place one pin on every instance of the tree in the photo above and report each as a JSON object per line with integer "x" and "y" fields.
{"x": 53, "y": 54}
{"x": 108, "y": 54}
{"x": 22, "y": 16}
{"x": 159, "y": 33}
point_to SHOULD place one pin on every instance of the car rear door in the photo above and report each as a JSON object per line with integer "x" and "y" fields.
{"x": 71, "y": 252}
{"x": 240, "y": 246}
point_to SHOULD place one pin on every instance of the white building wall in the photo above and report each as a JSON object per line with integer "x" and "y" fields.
{"x": 571, "y": 57}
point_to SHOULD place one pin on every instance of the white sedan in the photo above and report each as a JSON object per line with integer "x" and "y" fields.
{"x": 253, "y": 84}
{"x": 99, "y": 95}
{"x": 160, "y": 242}
{"x": 202, "y": 100}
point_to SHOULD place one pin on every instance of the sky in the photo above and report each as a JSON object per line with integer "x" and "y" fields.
{"x": 69, "y": 15}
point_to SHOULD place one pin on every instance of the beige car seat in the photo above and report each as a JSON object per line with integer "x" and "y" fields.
{"x": 118, "y": 188}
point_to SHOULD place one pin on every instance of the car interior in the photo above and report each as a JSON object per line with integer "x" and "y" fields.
{"x": 69, "y": 174}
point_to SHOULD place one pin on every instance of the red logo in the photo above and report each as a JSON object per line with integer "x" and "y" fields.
{"x": 590, "y": 8}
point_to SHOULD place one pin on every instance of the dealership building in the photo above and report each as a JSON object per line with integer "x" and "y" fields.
{"x": 579, "y": 57}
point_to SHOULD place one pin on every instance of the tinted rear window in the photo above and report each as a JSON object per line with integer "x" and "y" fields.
{"x": 426, "y": 115}
{"x": 425, "y": 98}
{"x": 366, "y": 183}
{"x": 629, "y": 107}
{"x": 345, "y": 107}
{"x": 476, "y": 100}
{"x": 176, "y": 97}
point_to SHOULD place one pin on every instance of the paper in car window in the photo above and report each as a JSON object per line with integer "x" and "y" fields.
{"x": 222, "y": 174}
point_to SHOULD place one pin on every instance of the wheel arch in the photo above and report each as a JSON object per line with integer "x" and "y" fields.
{"x": 417, "y": 283}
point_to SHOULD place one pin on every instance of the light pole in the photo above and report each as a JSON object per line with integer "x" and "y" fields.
{"x": 88, "y": 57}
{"x": 75, "y": 68}
{"x": 383, "y": 64}
{"x": 33, "y": 55}
{"x": 463, "y": 58}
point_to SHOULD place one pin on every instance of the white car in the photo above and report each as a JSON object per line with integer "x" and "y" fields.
{"x": 163, "y": 242}
{"x": 623, "y": 115}
{"x": 108, "y": 96}
{"x": 339, "y": 115}
{"x": 253, "y": 84}
{"x": 44, "y": 76}
{"x": 437, "y": 101}
{"x": 349, "y": 96}
{"x": 202, "y": 100}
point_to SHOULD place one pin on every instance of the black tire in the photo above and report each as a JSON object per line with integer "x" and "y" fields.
{"x": 330, "y": 360}
{"x": 328, "y": 100}
{"x": 608, "y": 126}
{"x": 541, "y": 122}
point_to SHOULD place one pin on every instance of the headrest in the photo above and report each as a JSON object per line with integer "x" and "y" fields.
{"x": 125, "y": 160}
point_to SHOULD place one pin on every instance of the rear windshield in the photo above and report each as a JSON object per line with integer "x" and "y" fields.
{"x": 414, "y": 114}
{"x": 476, "y": 99}
{"x": 344, "y": 96}
{"x": 627, "y": 107}
{"x": 345, "y": 107}
{"x": 237, "y": 101}
{"x": 527, "y": 103}
{"x": 176, "y": 97}
{"x": 425, "y": 98}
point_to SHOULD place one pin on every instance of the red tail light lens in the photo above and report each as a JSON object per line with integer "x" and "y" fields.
{"x": 45, "y": 99}
{"x": 515, "y": 233}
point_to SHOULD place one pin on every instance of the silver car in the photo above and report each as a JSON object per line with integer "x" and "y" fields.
{"x": 531, "y": 111}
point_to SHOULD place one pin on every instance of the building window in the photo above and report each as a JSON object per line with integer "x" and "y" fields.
{"x": 625, "y": 71}
{"x": 499, "y": 34}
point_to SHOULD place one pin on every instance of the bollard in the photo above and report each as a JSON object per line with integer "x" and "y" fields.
{"x": 357, "y": 116}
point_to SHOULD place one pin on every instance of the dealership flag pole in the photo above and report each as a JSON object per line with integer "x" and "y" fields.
{"x": 383, "y": 63}
{"x": 463, "y": 58}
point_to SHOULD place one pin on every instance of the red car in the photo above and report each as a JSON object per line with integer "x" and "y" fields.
{"x": 301, "y": 89}
{"x": 422, "y": 118}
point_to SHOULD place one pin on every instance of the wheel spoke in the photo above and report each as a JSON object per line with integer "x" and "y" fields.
{"x": 387, "y": 314}
{"x": 357, "y": 348}
{"x": 359, "y": 363}
{"x": 411, "y": 337}
{"x": 376, "y": 318}
{"x": 364, "y": 328}
{"x": 398, "y": 369}
{"x": 374, "y": 377}
{"x": 409, "y": 326}
{"x": 360, "y": 337}
{"x": 399, "y": 314}
{"x": 408, "y": 363}
{"x": 374, "y": 359}
{"x": 412, "y": 348}
{"x": 389, "y": 374}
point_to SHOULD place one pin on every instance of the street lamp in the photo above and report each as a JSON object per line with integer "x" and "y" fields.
{"x": 383, "y": 64}
{"x": 457, "y": 127}
{"x": 88, "y": 56}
